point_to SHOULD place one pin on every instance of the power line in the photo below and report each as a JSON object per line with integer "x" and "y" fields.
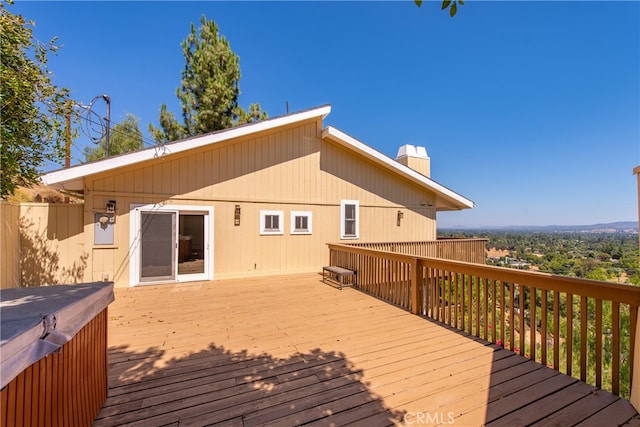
{"x": 98, "y": 126}
{"x": 145, "y": 141}
{"x": 76, "y": 148}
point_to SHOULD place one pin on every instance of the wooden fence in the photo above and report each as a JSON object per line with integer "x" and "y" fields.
{"x": 9, "y": 245}
{"x": 41, "y": 244}
{"x": 580, "y": 327}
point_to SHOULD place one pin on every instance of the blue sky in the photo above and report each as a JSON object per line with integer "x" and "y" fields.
{"x": 530, "y": 109}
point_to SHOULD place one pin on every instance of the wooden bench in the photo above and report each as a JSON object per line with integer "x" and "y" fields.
{"x": 337, "y": 274}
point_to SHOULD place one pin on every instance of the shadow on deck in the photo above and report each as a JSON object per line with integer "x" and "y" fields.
{"x": 291, "y": 351}
{"x": 215, "y": 385}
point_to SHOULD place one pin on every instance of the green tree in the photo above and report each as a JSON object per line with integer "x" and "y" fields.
{"x": 452, "y": 5}
{"x": 209, "y": 90}
{"x": 32, "y": 108}
{"x": 255, "y": 114}
{"x": 598, "y": 274}
{"x": 124, "y": 137}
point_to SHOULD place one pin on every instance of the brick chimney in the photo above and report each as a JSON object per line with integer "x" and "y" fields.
{"x": 416, "y": 158}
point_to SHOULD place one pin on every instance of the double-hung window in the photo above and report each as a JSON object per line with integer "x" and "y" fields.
{"x": 349, "y": 219}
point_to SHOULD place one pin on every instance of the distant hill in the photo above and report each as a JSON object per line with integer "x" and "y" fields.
{"x": 611, "y": 227}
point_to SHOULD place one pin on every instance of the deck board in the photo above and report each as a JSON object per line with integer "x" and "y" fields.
{"x": 288, "y": 350}
{"x": 546, "y": 406}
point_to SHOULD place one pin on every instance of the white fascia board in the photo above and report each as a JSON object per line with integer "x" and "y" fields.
{"x": 342, "y": 138}
{"x": 73, "y": 178}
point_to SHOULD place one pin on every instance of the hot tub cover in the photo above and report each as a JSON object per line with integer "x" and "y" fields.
{"x": 37, "y": 321}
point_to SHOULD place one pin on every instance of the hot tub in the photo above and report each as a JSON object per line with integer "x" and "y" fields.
{"x": 53, "y": 354}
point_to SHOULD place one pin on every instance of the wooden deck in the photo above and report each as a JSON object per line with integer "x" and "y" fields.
{"x": 289, "y": 350}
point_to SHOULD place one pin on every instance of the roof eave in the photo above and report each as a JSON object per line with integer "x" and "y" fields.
{"x": 451, "y": 199}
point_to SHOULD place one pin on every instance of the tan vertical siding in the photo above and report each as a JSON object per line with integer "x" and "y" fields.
{"x": 289, "y": 169}
{"x": 9, "y": 245}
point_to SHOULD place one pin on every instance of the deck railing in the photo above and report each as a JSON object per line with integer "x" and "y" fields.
{"x": 584, "y": 328}
{"x": 468, "y": 250}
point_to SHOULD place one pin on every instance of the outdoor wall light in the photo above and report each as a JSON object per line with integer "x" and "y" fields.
{"x": 400, "y": 216}
{"x": 105, "y": 219}
{"x": 236, "y": 217}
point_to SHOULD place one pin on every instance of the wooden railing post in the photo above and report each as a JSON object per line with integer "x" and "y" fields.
{"x": 635, "y": 379}
{"x": 414, "y": 286}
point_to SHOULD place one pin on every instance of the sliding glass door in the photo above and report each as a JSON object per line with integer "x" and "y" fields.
{"x": 157, "y": 246}
{"x": 171, "y": 244}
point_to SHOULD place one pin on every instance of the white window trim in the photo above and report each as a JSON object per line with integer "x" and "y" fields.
{"x": 307, "y": 214}
{"x": 343, "y": 204}
{"x": 280, "y": 229}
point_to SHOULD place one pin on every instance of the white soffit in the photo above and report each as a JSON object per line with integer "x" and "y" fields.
{"x": 454, "y": 200}
{"x": 72, "y": 179}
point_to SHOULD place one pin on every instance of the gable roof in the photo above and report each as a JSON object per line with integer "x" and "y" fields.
{"x": 72, "y": 179}
{"x": 446, "y": 199}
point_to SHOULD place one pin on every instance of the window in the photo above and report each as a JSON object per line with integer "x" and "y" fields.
{"x": 271, "y": 222}
{"x": 300, "y": 222}
{"x": 349, "y": 219}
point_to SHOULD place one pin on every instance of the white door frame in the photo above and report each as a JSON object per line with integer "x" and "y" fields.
{"x": 135, "y": 234}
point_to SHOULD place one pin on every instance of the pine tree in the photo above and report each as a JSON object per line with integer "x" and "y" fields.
{"x": 209, "y": 90}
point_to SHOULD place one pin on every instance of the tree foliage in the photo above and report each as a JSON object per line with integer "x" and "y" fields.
{"x": 209, "y": 90}
{"x": 600, "y": 256}
{"x": 451, "y": 5}
{"x": 124, "y": 137}
{"x": 32, "y": 108}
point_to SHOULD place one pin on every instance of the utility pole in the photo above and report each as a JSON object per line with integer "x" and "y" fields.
{"x": 108, "y": 121}
{"x": 67, "y": 139}
{"x": 67, "y": 134}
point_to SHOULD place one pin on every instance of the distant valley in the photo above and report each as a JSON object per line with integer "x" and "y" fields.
{"x": 611, "y": 227}
{"x": 607, "y": 251}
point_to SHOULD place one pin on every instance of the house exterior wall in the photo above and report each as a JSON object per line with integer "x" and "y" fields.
{"x": 288, "y": 169}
